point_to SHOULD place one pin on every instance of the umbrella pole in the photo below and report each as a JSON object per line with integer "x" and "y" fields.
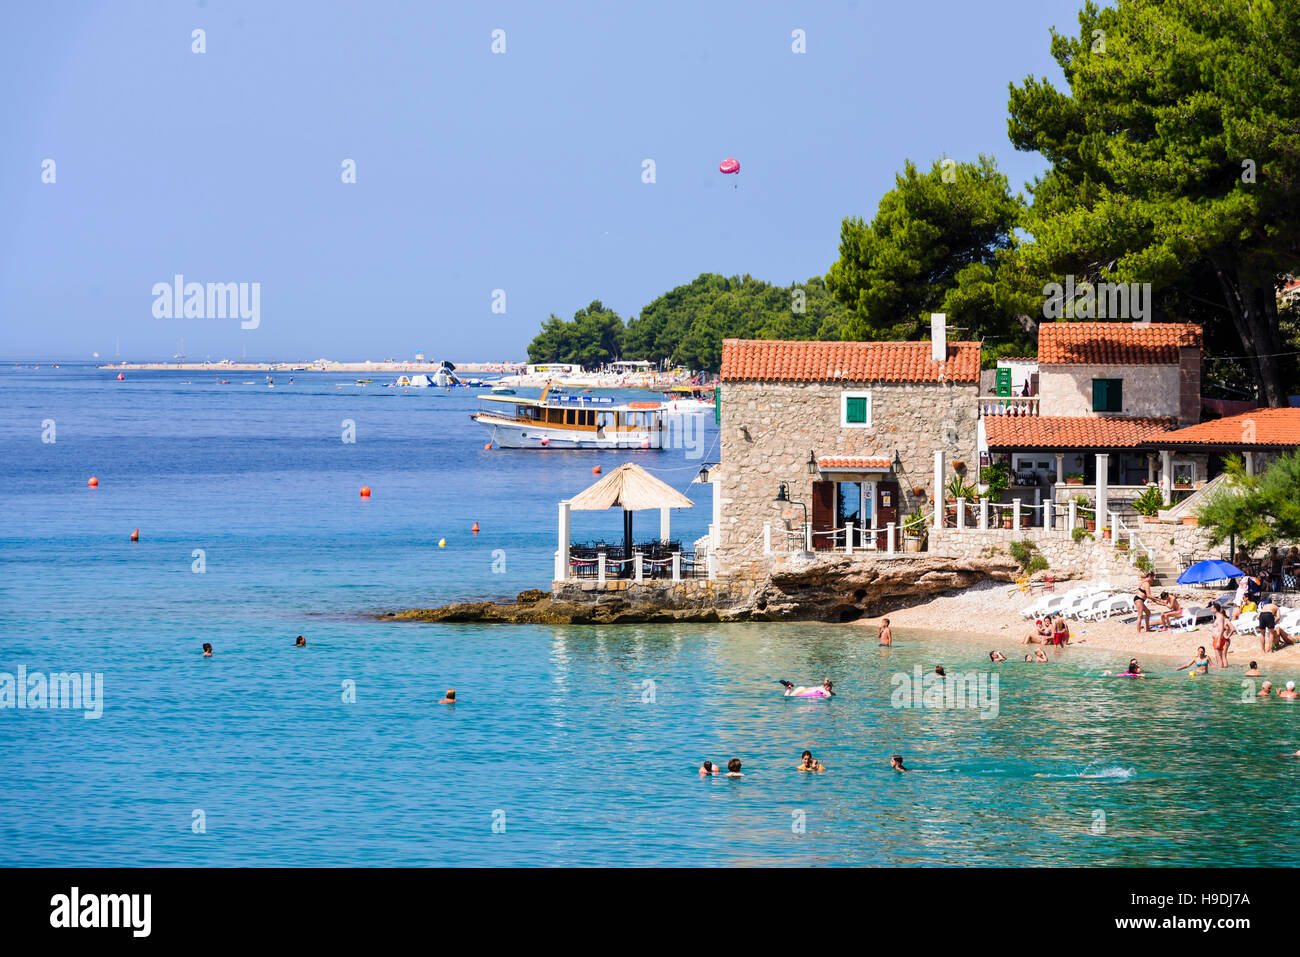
{"x": 627, "y": 537}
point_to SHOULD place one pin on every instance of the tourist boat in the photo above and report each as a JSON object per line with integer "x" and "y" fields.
{"x": 688, "y": 399}
{"x": 571, "y": 422}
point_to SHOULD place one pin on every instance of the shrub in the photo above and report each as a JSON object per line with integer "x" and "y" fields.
{"x": 1143, "y": 564}
{"x": 1079, "y": 533}
{"x": 1149, "y": 502}
{"x": 1027, "y": 556}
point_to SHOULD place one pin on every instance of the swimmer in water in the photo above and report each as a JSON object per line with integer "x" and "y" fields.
{"x": 896, "y": 763}
{"x": 886, "y": 634}
{"x": 997, "y": 657}
{"x": 1134, "y": 668}
{"x": 1040, "y": 656}
{"x": 1253, "y": 671}
{"x": 802, "y": 692}
{"x": 1200, "y": 664}
{"x": 1290, "y": 693}
{"x": 938, "y": 670}
{"x": 1265, "y": 690}
{"x": 1029, "y": 657}
{"x": 707, "y": 768}
{"x": 207, "y": 649}
{"x": 733, "y": 768}
{"x": 808, "y": 763}
{"x": 301, "y": 642}
{"x": 450, "y": 698}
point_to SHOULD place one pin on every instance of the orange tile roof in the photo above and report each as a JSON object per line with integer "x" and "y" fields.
{"x": 1275, "y": 428}
{"x": 1115, "y": 343}
{"x": 1071, "y": 431}
{"x": 852, "y": 463}
{"x": 777, "y": 360}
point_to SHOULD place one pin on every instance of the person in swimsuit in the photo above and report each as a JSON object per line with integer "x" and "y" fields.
{"x": 1175, "y": 609}
{"x": 997, "y": 657}
{"x": 808, "y": 763}
{"x": 1290, "y": 692}
{"x": 886, "y": 634}
{"x": 802, "y": 691}
{"x": 1267, "y": 625}
{"x": 450, "y": 698}
{"x": 707, "y": 768}
{"x": 1221, "y": 633}
{"x": 1253, "y": 671}
{"x": 1265, "y": 690}
{"x": 1280, "y": 638}
{"x": 1040, "y": 633}
{"x": 301, "y": 642}
{"x": 1060, "y": 631}
{"x": 207, "y": 649}
{"x": 1200, "y": 664}
{"x": 896, "y": 763}
{"x": 1134, "y": 668}
{"x": 1040, "y": 656}
{"x": 733, "y": 768}
{"x": 1140, "y": 599}
{"x": 938, "y": 670}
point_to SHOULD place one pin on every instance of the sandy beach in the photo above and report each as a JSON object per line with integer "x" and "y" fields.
{"x": 989, "y": 615}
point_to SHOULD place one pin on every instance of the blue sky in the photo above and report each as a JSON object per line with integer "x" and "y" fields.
{"x": 475, "y": 171}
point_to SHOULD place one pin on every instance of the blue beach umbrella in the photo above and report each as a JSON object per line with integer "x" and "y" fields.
{"x": 1211, "y": 570}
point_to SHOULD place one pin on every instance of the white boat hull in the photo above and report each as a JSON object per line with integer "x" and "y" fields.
{"x": 512, "y": 435}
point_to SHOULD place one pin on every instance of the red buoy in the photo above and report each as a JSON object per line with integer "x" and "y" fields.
{"x": 94, "y": 482}
{"x": 475, "y": 528}
{"x": 546, "y": 442}
{"x": 595, "y": 470}
{"x": 365, "y": 491}
{"x": 488, "y": 447}
{"x": 120, "y": 377}
{"x": 135, "y": 536}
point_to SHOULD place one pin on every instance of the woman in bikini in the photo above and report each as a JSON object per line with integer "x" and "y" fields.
{"x": 1221, "y": 632}
{"x": 1140, "y": 599}
{"x": 1199, "y": 665}
{"x": 1175, "y": 609}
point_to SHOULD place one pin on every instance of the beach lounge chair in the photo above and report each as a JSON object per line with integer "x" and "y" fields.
{"x": 1085, "y": 606}
{"x": 1114, "y": 605}
{"x": 1191, "y": 618}
{"x": 1050, "y": 604}
{"x": 1247, "y": 623}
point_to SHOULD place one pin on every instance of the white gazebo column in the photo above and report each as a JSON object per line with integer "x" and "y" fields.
{"x": 1060, "y": 480}
{"x": 938, "y": 488}
{"x": 664, "y": 525}
{"x": 1151, "y": 467}
{"x": 562, "y": 553}
{"x": 717, "y": 511}
{"x": 1167, "y": 474}
{"x": 1103, "y": 466}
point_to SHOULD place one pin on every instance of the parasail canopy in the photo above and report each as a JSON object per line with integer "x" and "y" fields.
{"x": 729, "y": 166}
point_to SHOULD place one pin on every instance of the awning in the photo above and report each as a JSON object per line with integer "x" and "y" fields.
{"x": 855, "y": 463}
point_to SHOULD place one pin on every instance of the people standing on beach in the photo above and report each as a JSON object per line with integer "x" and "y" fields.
{"x": 1060, "y": 631}
{"x": 886, "y": 634}
{"x": 1267, "y": 625}
{"x": 896, "y": 763}
{"x": 450, "y": 697}
{"x": 301, "y": 642}
{"x": 1290, "y": 692}
{"x": 733, "y": 768}
{"x": 1200, "y": 664}
{"x": 1140, "y": 599}
{"x": 808, "y": 763}
{"x": 1221, "y": 633}
{"x": 207, "y": 649}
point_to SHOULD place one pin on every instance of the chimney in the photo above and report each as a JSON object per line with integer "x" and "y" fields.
{"x": 938, "y": 337}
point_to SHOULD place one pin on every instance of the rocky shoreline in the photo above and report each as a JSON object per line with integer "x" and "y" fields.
{"x": 831, "y": 590}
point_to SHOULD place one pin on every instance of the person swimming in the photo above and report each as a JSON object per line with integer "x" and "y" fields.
{"x": 896, "y": 763}
{"x": 733, "y": 768}
{"x": 1290, "y": 693}
{"x": 938, "y": 670}
{"x": 1040, "y": 656}
{"x": 1200, "y": 664}
{"x": 824, "y": 690}
{"x": 997, "y": 657}
{"x": 1253, "y": 671}
{"x": 450, "y": 698}
{"x": 707, "y": 768}
{"x": 207, "y": 649}
{"x": 808, "y": 763}
{"x": 1265, "y": 690}
{"x": 1134, "y": 668}
{"x": 301, "y": 642}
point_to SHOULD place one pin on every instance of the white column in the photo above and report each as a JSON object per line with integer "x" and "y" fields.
{"x": 677, "y": 566}
{"x": 848, "y": 536}
{"x": 1167, "y": 474}
{"x": 1060, "y": 468}
{"x": 1103, "y": 510}
{"x": 1151, "y": 467}
{"x": 889, "y": 539}
{"x": 562, "y": 553}
{"x": 984, "y": 513}
{"x": 600, "y": 568}
{"x": 713, "y": 566}
{"x": 717, "y": 510}
{"x": 767, "y": 538}
{"x": 1015, "y": 513}
{"x": 664, "y": 525}
{"x": 938, "y": 488}
{"x": 1073, "y": 521}
{"x": 807, "y": 537}
{"x": 961, "y": 514}
{"x": 636, "y": 556}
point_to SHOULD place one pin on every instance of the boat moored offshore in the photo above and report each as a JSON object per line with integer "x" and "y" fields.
{"x": 571, "y": 422}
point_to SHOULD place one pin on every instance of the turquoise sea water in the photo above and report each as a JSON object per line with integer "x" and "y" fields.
{"x": 572, "y": 745}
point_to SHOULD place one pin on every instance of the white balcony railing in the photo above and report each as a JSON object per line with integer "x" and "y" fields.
{"x": 1008, "y": 405}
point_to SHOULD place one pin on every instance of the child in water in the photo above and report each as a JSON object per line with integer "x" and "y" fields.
{"x": 207, "y": 649}
{"x": 809, "y": 763}
{"x": 896, "y": 763}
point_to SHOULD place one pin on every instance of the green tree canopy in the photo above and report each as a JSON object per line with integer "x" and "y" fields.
{"x": 594, "y": 336}
{"x": 1175, "y": 160}
{"x": 1256, "y": 510}
{"x": 933, "y": 246}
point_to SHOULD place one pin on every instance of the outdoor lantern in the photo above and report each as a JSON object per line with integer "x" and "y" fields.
{"x": 703, "y": 477}
{"x": 898, "y": 463}
{"x": 812, "y": 464}
{"x": 782, "y": 494}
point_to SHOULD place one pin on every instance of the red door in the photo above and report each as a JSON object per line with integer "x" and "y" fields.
{"x": 823, "y": 515}
{"x": 886, "y": 512}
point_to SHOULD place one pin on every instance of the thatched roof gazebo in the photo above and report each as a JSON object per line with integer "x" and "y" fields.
{"x": 629, "y": 487}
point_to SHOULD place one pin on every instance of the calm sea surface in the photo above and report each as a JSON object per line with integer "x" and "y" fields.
{"x": 572, "y": 745}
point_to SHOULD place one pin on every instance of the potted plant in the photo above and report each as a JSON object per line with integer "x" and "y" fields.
{"x": 1079, "y": 534}
{"x": 1105, "y": 531}
{"x": 958, "y": 488}
{"x": 1122, "y": 545}
{"x": 1084, "y": 502}
{"x": 914, "y": 531}
{"x": 1073, "y": 478}
{"x": 996, "y": 480}
{"x": 1149, "y": 503}
{"x": 918, "y": 491}
{"x": 959, "y": 466}
{"x": 1182, "y": 481}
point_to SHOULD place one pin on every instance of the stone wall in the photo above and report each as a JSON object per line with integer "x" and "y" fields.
{"x": 1148, "y": 390}
{"x": 783, "y": 422}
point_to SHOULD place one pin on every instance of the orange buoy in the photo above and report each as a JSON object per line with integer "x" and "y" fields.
{"x": 135, "y": 536}
{"x": 94, "y": 482}
{"x": 488, "y": 447}
{"x": 120, "y": 377}
{"x": 546, "y": 441}
{"x": 595, "y": 470}
{"x": 365, "y": 491}
{"x": 475, "y": 528}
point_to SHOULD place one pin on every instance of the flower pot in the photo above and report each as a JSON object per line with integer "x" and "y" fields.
{"x": 1105, "y": 533}
{"x": 1191, "y": 520}
{"x": 1150, "y": 519}
{"x": 1071, "y": 481}
{"x": 918, "y": 491}
{"x": 959, "y": 466}
{"x": 1092, "y": 525}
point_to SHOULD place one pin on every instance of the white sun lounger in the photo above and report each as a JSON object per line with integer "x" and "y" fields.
{"x": 1192, "y": 617}
{"x": 1085, "y": 605}
{"x": 1247, "y": 623}
{"x": 1049, "y": 604}
{"x": 1114, "y": 605}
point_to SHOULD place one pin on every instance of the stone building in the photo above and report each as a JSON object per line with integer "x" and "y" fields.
{"x": 844, "y": 432}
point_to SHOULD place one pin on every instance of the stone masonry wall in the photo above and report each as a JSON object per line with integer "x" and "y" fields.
{"x": 1148, "y": 390}
{"x": 783, "y": 422}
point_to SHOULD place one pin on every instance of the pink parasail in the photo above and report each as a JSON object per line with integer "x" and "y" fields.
{"x": 729, "y": 166}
